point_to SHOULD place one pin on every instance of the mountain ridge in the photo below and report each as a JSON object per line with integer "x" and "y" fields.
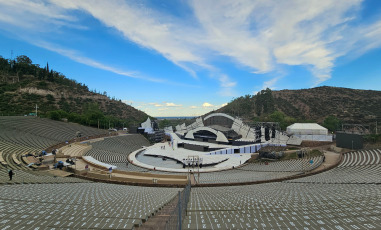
{"x": 315, "y": 104}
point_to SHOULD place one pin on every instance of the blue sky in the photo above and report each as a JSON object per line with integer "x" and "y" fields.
{"x": 186, "y": 58}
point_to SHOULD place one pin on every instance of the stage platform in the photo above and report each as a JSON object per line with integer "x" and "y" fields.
{"x": 170, "y": 151}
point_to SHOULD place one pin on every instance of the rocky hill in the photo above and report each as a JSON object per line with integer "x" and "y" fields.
{"x": 316, "y": 104}
{"x": 24, "y": 85}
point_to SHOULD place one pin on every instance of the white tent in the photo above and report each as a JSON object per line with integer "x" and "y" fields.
{"x": 307, "y": 129}
{"x": 309, "y": 132}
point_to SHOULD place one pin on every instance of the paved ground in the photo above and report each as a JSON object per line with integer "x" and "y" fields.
{"x": 331, "y": 158}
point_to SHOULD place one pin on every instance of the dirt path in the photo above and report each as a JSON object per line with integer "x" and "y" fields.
{"x": 331, "y": 158}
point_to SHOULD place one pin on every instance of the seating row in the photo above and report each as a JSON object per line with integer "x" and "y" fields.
{"x": 357, "y": 167}
{"x": 82, "y": 205}
{"x": 285, "y": 206}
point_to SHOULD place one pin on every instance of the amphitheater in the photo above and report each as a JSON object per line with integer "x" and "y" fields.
{"x": 334, "y": 191}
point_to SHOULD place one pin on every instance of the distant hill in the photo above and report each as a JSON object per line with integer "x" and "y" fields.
{"x": 24, "y": 84}
{"x": 316, "y": 104}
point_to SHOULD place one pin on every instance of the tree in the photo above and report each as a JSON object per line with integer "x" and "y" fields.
{"x": 264, "y": 103}
{"x": 54, "y": 115}
{"x": 332, "y": 123}
{"x": 23, "y": 59}
{"x": 164, "y": 123}
{"x": 283, "y": 120}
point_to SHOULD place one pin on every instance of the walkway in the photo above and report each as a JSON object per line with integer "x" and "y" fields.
{"x": 331, "y": 158}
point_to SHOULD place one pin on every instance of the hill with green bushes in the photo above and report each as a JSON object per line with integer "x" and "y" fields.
{"x": 330, "y": 106}
{"x": 23, "y": 85}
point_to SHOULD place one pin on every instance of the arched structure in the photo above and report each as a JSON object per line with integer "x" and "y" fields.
{"x": 219, "y": 114}
{"x": 220, "y": 136}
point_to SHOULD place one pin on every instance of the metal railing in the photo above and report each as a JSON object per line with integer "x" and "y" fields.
{"x": 178, "y": 214}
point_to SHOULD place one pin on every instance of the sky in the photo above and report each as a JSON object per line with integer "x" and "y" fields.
{"x": 186, "y": 58}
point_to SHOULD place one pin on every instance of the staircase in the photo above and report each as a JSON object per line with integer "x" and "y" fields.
{"x": 159, "y": 220}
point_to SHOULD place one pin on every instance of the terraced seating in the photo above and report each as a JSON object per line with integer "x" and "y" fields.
{"x": 75, "y": 150}
{"x": 79, "y": 206}
{"x": 357, "y": 167}
{"x": 28, "y": 177}
{"x": 131, "y": 167}
{"x": 41, "y": 132}
{"x": 116, "y": 149}
{"x": 297, "y": 165}
{"x": 236, "y": 175}
{"x": 91, "y": 160}
{"x": 12, "y": 147}
{"x": 285, "y": 206}
{"x": 2, "y": 161}
{"x": 15, "y": 160}
{"x": 261, "y": 171}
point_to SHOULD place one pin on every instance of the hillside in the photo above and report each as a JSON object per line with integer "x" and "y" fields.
{"x": 23, "y": 85}
{"x": 316, "y": 104}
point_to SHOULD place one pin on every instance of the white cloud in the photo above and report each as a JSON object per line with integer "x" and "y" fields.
{"x": 173, "y": 38}
{"x": 75, "y": 56}
{"x": 193, "y": 107}
{"x": 155, "y": 104}
{"x": 257, "y": 35}
{"x": 270, "y": 83}
{"x": 206, "y": 105}
{"x": 224, "y": 104}
{"x": 264, "y": 34}
{"x": 170, "y": 104}
{"x": 146, "y": 27}
{"x": 28, "y": 14}
{"x": 225, "y": 81}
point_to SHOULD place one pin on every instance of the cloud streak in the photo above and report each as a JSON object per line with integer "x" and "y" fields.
{"x": 75, "y": 56}
{"x": 257, "y": 36}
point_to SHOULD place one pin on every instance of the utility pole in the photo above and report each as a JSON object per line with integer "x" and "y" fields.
{"x": 376, "y": 128}
{"x": 36, "y": 109}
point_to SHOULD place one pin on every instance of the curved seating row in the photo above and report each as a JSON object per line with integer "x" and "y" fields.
{"x": 116, "y": 149}
{"x": 296, "y": 165}
{"x": 22, "y": 135}
{"x": 42, "y": 128}
{"x": 357, "y": 167}
{"x": 75, "y": 150}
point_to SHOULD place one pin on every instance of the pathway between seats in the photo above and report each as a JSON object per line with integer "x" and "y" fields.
{"x": 331, "y": 158}
{"x": 159, "y": 220}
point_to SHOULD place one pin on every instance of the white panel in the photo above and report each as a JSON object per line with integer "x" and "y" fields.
{"x": 189, "y": 135}
{"x": 221, "y": 137}
{"x": 146, "y": 124}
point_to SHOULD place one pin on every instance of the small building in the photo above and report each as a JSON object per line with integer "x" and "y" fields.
{"x": 349, "y": 140}
{"x": 309, "y": 132}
